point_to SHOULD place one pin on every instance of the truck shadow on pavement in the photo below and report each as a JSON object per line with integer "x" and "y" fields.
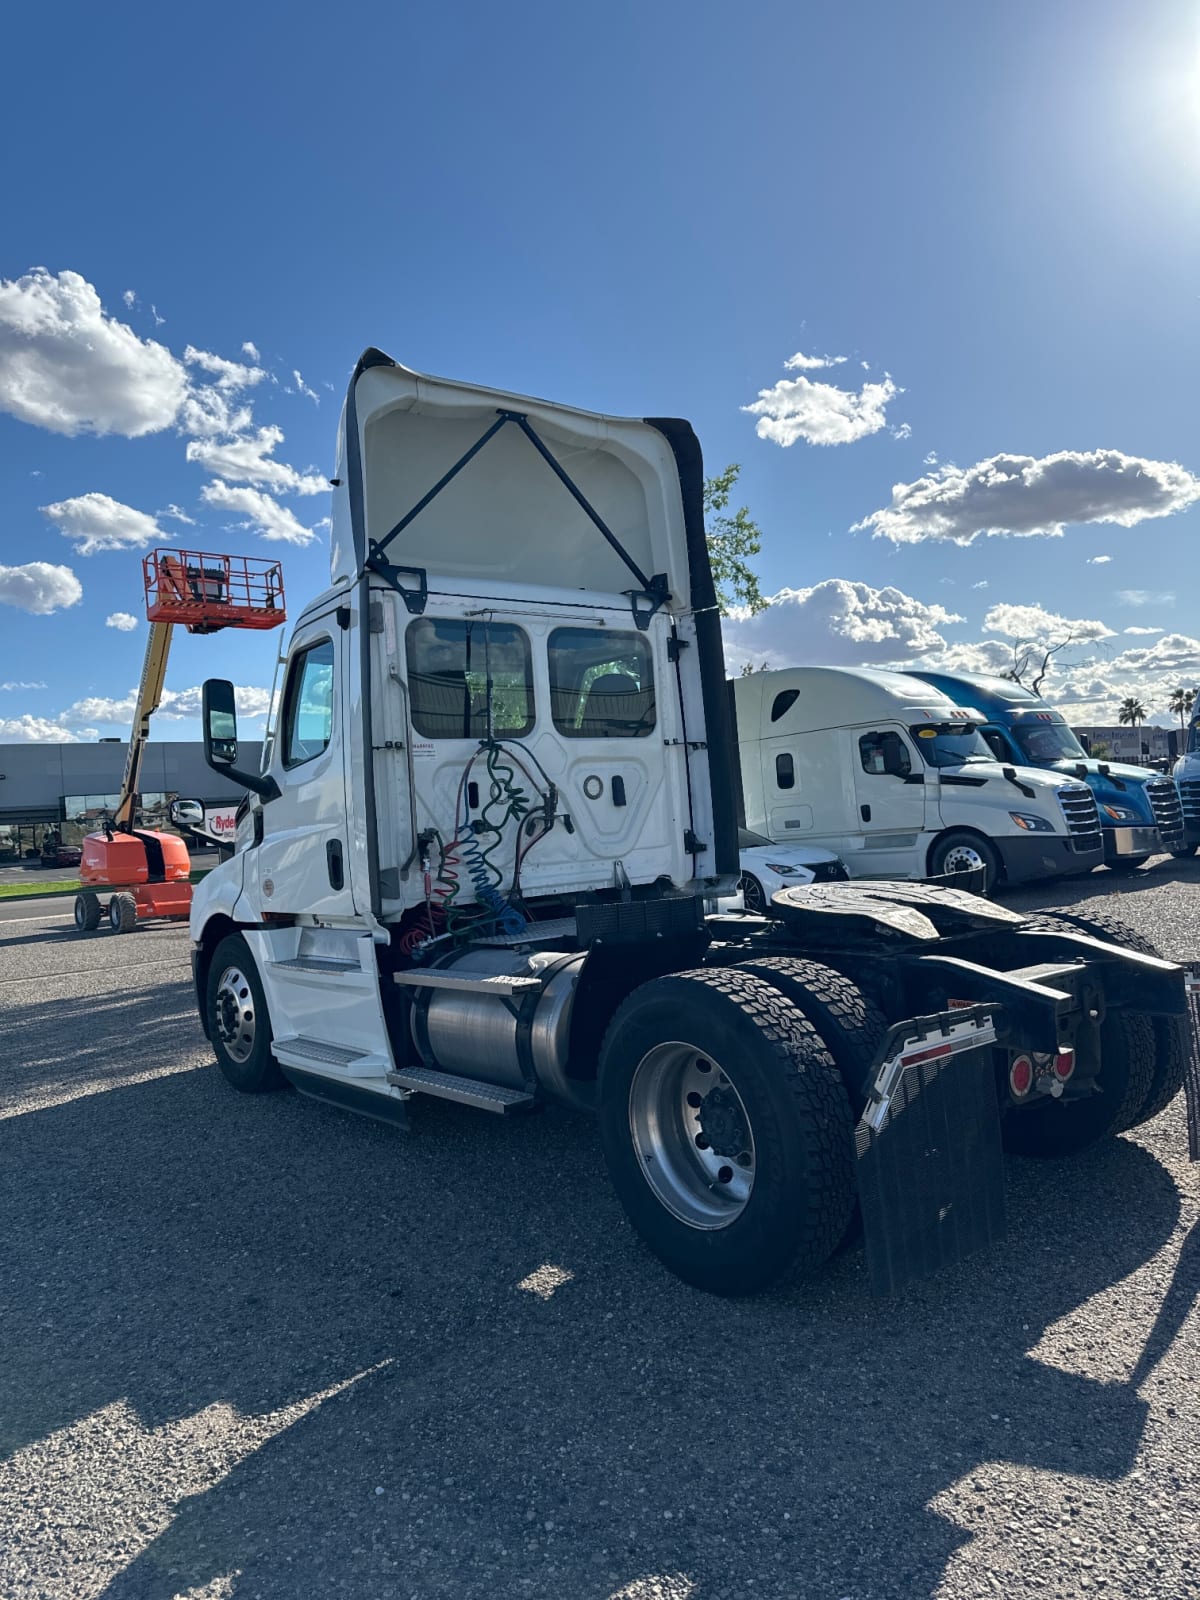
{"x": 321, "y": 1358}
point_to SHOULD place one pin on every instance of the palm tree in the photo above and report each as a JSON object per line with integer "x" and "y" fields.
{"x": 1181, "y": 703}
{"x": 1132, "y": 712}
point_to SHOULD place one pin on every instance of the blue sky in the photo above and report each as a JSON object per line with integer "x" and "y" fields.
{"x": 649, "y": 209}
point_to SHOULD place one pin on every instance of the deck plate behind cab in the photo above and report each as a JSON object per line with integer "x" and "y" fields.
{"x": 917, "y": 911}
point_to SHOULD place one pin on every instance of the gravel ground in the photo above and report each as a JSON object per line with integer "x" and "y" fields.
{"x": 258, "y": 1348}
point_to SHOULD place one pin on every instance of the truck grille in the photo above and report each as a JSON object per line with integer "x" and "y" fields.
{"x": 1083, "y": 820}
{"x": 1189, "y": 794}
{"x": 1168, "y": 812}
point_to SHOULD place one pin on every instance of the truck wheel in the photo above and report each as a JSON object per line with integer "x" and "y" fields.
{"x": 87, "y": 911}
{"x": 968, "y": 853}
{"x": 1124, "y": 864}
{"x": 122, "y": 913}
{"x": 1170, "y": 1046}
{"x": 1186, "y": 853}
{"x": 851, "y": 1026}
{"x": 238, "y": 1023}
{"x": 726, "y": 1129}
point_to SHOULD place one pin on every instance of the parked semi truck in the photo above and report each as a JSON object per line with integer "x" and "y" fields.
{"x": 1186, "y": 773}
{"x": 894, "y": 775}
{"x": 500, "y": 797}
{"x": 1140, "y": 813}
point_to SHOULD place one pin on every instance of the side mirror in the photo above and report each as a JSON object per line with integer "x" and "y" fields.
{"x": 895, "y": 759}
{"x": 219, "y": 725}
{"x": 187, "y": 813}
{"x": 219, "y": 717}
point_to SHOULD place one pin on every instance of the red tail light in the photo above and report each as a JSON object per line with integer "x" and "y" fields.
{"x": 1064, "y": 1065}
{"x": 1020, "y": 1077}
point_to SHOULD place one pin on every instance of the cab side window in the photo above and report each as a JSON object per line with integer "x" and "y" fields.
{"x": 601, "y": 684}
{"x": 455, "y": 669}
{"x": 308, "y": 704}
{"x": 884, "y": 753}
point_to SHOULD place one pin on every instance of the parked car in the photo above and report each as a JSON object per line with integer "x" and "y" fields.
{"x": 61, "y": 855}
{"x": 767, "y": 867}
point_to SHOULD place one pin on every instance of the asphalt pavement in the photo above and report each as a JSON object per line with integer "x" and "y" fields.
{"x": 254, "y": 1347}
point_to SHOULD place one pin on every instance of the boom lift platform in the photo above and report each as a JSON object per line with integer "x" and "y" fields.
{"x": 148, "y": 873}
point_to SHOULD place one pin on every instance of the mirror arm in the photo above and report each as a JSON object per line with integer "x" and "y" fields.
{"x": 259, "y": 783}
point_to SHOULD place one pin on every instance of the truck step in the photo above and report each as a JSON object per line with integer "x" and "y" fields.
{"x": 300, "y": 1052}
{"x": 472, "y": 983}
{"x": 466, "y": 1091}
{"x": 317, "y": 964}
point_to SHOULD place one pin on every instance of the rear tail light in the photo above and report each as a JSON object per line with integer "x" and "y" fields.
{"x": 1064, "y": 1065}
{"x": 1020, "y": 1077}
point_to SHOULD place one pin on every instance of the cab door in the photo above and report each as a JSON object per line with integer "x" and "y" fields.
{"x": 890, "y": 793}
{"x": 303, "y": 861}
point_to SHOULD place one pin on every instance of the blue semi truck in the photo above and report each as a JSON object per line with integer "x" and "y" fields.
{"x": 1140, "y": 810}
{"x": 1187, "y": 776}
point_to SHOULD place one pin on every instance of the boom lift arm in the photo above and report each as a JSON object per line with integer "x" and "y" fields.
{"x": 149, "y": 698}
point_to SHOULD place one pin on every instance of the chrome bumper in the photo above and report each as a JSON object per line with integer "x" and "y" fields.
{"x": 1131, "y": 842}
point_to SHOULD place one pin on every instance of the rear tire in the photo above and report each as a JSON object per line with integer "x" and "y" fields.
{"x": 1171, "y": 1042}
{"x": 968, "y": 853}
{"x": 87, "y": 911}
{"x": 239, "y": 1024}
{"x": 851, "y": 1026}
{"x": 749, "y": 1181}
{"x": 122, "y": 913}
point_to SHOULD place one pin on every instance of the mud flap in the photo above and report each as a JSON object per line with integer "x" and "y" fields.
{"x": 930, "y": 1168}
{"x": 1191, "y": 1073}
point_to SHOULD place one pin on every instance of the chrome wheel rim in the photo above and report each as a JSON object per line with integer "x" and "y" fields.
{"x": 114, "y": 913}
{"x": 753, "y": 897}
{"x": 235, "y": 1015}
{"x": 692, "y": 1136}
{"x": 964, "y": 858}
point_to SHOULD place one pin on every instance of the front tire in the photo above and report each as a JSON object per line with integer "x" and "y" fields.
{"x": 122, "y": 913}
{"x": 754, "y": 897}
{"x": 87, "y": 911}
{"x": 1187, "y": 852}
{"x": 969, "y": 854}
{"x": 1125, "y": 864}
{"x": 726, "y": 1129}
{"x": 238, "y": 1021}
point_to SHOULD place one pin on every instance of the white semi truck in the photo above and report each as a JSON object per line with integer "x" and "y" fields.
{"x": 895, "y": 776}
{"x": 499, "y": 802}
{"x": 1186, "y": 773}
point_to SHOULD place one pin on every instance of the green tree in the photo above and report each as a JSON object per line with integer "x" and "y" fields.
{"x": 1132, "y": 712}
{"x": 732, "y": 539}
{"x": 1181, "y": 703}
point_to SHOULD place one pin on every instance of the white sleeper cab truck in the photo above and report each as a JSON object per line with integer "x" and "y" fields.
{"x": 497, "y": 801}
{"x": 896, "y": 778}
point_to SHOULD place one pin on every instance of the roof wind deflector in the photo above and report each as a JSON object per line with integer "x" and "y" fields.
{"x": 652, "y": 591}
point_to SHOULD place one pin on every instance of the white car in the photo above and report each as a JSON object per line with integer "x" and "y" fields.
{"x": 767, "y": 867}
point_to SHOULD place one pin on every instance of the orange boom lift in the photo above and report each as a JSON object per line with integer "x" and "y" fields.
{"x": 147, "y": 873}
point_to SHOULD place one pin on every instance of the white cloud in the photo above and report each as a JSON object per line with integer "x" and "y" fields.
{"x": 1028, "y": 496}
{"x": 987, "y": 655}
{"x": 122, "y": 621}
{"x": 930, "y": 459}
{"x": 904, "y": 431}
{"x": 22, "y": 683}
{"x": 177, "y": 705}
{"x": 249, "y": 348}
{"x": 982, "y": 584}
{"x": 67, "y": 367}
{"x": 97, "y": 522}
{"x": 836, "y": 623}
{"x": 820, "y": 413}
{"x": 303, "y": 388}
{"x": 250, "y": 459}
{"x": 1035, "y": 622}
{"x": 1098, "y": 561}
{"x": 802, "y": 363}
{"x": 230, "y": 375}
{"x": 39, "y": 587}
{"x": 1145, "y": 630}
{"x": 1146, "y": 597}
{"x": 177, "y": 514}
{"x": 208, "y": 411}
{"x": 263, "y": 515}
{"x": 130, "y": 298}
{"x": 27, "y": 729}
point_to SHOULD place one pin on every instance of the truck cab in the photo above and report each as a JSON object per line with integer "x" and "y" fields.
{"x": 897, "y": 778}
{"x": 1186, "y": 773}
{"x": 1140, "y": 813}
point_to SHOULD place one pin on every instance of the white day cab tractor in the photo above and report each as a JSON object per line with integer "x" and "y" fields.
{"x": 477, "y": 862}
{"x": 144, "y": 871}
{"x": 894, "y": 775}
